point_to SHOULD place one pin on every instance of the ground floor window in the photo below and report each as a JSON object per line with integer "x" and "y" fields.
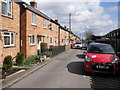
{"x": 9, "y": 39}
{"x": 50, "y": 40}
{"x": 44, "y": 39}
{"x": 32, "y": 39}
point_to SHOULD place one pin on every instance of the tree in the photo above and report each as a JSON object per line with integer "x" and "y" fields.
{"x": 89, "y": 35}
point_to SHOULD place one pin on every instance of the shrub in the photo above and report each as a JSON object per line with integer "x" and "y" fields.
{"x": 7, "y": 64}
{"x": 29, "y": 61}
{"x": 47, "y": 53}
{"x": 37, "y": 57}
{"x": 43, "y": 47}
{"x": 20, "y": 58}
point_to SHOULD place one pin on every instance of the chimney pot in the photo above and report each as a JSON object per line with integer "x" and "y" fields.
{"x": 33, "y": 4}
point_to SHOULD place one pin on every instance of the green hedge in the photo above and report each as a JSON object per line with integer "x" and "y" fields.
{"x": 7, "y": 64}
{"x": 20, "y": 58}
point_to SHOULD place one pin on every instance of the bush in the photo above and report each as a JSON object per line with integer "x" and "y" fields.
{"x": 7, "y": 64}
{"x": 43, "y": 47}
{"x": 29, "y": 61}
{"x": 47, "y": 53}
{"x": 37, "y": 57}
{"x": 20, "y": 58}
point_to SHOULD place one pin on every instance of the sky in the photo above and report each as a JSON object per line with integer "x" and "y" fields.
{"x": 97, "y": 16}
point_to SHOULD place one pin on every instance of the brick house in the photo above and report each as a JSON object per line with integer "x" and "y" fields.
{"x": 62, "y": 36}
{"x": 25, "y": 28}
{"x": 36, "y": 27}
{"x": 9, "y": 28}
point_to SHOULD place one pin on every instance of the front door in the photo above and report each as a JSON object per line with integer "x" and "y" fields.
{"x": 39, "y": 45}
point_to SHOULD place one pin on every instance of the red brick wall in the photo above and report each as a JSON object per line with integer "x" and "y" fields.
{"x": 12, "y": 25}
{"x": 27, "y": 28}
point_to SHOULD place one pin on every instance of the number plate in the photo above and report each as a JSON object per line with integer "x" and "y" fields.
{"x": 102, "y": 67}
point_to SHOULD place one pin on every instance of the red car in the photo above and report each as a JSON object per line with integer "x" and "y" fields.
{"x": 101, "y": 58}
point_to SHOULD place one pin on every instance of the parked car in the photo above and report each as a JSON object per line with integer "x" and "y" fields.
{"x": 101, "y": 58}
{"x": 84, "y": 46}
{"x": 78, "y": 45}
{"x": 89, "y": 42}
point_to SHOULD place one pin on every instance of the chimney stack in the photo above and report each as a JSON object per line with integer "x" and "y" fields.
{"x": 33, "y": 4}
{"x": 56, "y": 20}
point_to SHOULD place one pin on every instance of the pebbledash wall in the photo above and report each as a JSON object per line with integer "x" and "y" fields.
{"x": 9, "y": 31}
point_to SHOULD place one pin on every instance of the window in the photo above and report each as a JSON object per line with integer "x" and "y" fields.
{"x": 32, "y": 39}
{"x": 56, "y": 40}
{"x": 33, "y": 19}
{"x": 7, "y": 7}
{"x": 44, "y": 23}
{"x": 44, "y": 39}
{"x": 50, "y": 26}
{"x": 8, "y": 39}
{"x": 56, "y": 27}
{"x": 50, "y": 40}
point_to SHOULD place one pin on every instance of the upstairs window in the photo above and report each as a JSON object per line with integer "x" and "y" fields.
{"x": 50, "y": 26}
{"x": 56, "y": 27}
{"x": 44, "y": 23}
{"x": 8, "y": 39}
{"x": 7, "y": 8}
{"x": 33, "y": 19}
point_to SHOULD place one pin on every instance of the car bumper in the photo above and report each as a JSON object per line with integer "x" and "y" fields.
{"x": 92, "y": 67}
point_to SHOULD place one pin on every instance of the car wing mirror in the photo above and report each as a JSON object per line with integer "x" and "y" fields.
{"x": 85, "y": 51}
{"x": 118, "y": 52}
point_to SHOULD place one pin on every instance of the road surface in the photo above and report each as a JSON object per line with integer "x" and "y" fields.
{"x": 67, "y": 71}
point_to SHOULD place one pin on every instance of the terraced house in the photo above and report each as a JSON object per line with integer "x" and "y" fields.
{"x": 9, "y": 28}
{"x": 23, "y": 28}
{"x": 36, "y": 28}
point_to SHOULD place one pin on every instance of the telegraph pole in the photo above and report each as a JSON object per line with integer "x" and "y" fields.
{"x": 69, "y": 26}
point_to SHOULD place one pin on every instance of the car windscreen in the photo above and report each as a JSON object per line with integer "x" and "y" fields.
{"x": 78, "y": 43}
{"x": 101, "y": 49}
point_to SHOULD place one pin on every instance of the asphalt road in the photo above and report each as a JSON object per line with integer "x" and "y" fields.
{"x": 67, "y": 71}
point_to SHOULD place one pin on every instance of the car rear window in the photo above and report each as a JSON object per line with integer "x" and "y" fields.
{"x": 101, "y": 49}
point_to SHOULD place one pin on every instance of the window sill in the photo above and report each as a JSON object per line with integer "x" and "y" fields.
{"x": 32, "y": 44}
{"x": 9, "y": 46}
{"x": 33, "y": 24}
{"x": 44, "y": 27}
{"x": 7, "y": 16}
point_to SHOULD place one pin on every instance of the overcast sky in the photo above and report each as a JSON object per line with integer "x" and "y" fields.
{"x": 90, "y": 15}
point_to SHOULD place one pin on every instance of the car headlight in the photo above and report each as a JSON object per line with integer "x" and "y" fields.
{"x": 117, "y": 60}
{"x": 88, "y": 59}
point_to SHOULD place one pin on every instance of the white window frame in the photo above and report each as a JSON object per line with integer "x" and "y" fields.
{"x": 8, "y": 12}
{"x": 45, "y": 39}
{"x": 44, "y": 23}
{"x": 50, "y": 40}
{"x": 57, "y": 27}
{"x": 30, "y": 40}
{"x": 33, "y": 19}
{"x": 10, "y": 36}
{"x": 56, "y": 40}
{"x": 50, "y": 26}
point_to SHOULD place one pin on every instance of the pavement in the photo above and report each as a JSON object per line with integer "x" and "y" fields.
{"x": 16, "y": 77}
